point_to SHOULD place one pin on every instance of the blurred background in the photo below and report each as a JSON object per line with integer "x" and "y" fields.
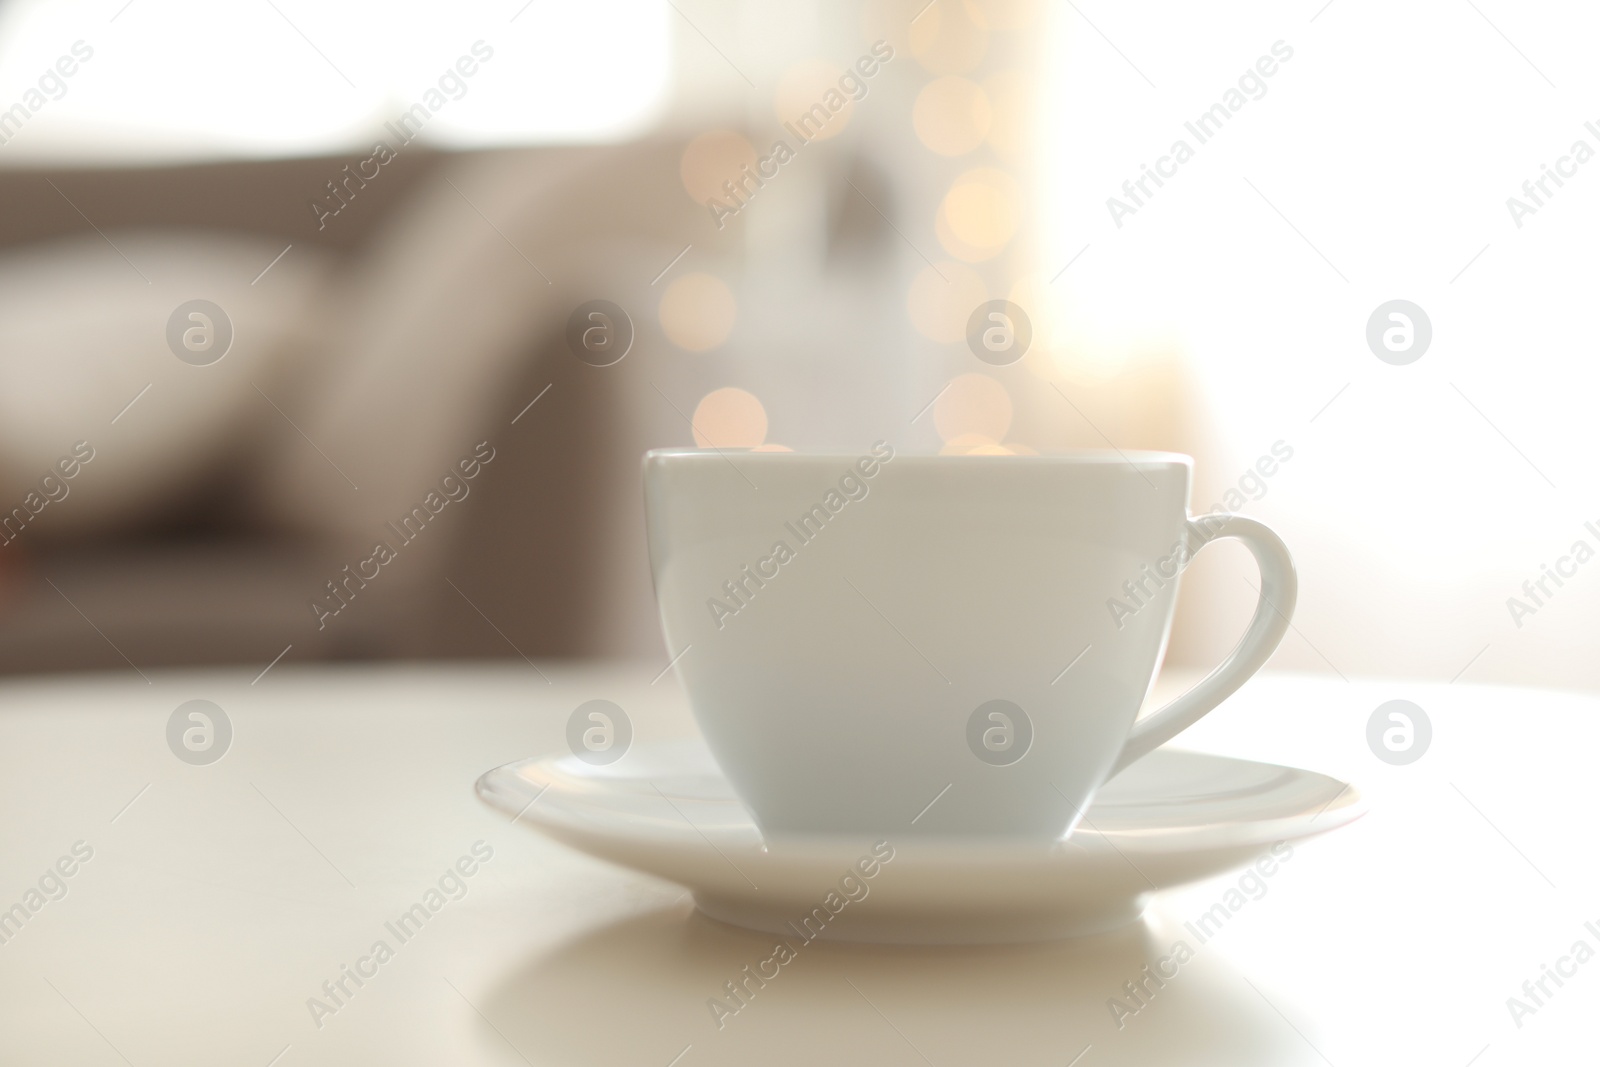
{"x": 282, "y": 281}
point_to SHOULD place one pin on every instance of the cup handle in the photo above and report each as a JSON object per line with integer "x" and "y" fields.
{"x": 1278, "y": 590}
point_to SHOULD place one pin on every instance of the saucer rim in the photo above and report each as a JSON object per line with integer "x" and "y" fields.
{"x": 1348, "y": 805}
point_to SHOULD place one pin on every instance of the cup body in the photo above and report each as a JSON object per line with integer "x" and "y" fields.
{"x": 854, "y": 625}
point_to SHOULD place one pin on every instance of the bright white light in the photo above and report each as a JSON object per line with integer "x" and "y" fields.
{"x": 1350, "y": 175}
{"x": 187, "y": 79}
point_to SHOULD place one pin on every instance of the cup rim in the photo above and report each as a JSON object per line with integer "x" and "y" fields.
{"x": 1139, "y": 459}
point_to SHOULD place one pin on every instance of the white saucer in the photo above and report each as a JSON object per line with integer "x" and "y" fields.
{"x": 1173, "y": 817}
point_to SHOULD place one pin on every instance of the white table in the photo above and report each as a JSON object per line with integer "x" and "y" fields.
{"x": 219, "y": 898}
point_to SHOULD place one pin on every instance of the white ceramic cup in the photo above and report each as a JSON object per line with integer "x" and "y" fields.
{"x": 948, "y": 646}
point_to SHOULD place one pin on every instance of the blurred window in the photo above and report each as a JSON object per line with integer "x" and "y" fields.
{"x": 178, "y": 80}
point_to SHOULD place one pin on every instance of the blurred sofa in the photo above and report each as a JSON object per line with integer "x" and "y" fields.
{"x": 225, "y": 501}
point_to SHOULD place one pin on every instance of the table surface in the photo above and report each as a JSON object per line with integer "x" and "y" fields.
{"x": 216, "y": 900}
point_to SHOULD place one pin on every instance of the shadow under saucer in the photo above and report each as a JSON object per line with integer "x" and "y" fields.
{"x": 672, "y": 982}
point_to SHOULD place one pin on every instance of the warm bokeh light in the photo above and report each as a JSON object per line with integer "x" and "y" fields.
{"x": 729, "y": 418}
{"x": 712, "y": 159}
{"x": 802, "y": 89}
{"x": 951, "y": 115}
{"x": 697, "y": 312}
{"x": 1088, "y": 364}
{"x": 973, "y": 404}
{"x": 1040, "y": 362}
{"x": 1009, "y": 14}
{"x": 980, "y": 214}
{"x": 940, "y": 306}
{"x": 964, "y": 444}
{"x": 1010, "y": 101}
{"x": 1043, "y": 302}
{"x": 950, "y": 37}
{"x": 977, "y": 444}
{"x": 1040, "y": 301}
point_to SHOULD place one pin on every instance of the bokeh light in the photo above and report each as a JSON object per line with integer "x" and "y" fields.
{"x": 950, "y": 37}
{"x": 1041, "y": 301}
{"x": 697, "y": 312}
{"x": 973, "y": 404}
{"x": 1009, "y": 14}
{"x": 729, "y": 418}
{"x": 806, "y": 86}
{"x": 951, "y": 115}
{"x": 979, "y": 214}
{"x": 940, "y": 306}
{"x": 1080, "y": 362}
{"x": 711, "y": 159}
{"x": 1010, "y": 121}
{"x": 964, "y": 444}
